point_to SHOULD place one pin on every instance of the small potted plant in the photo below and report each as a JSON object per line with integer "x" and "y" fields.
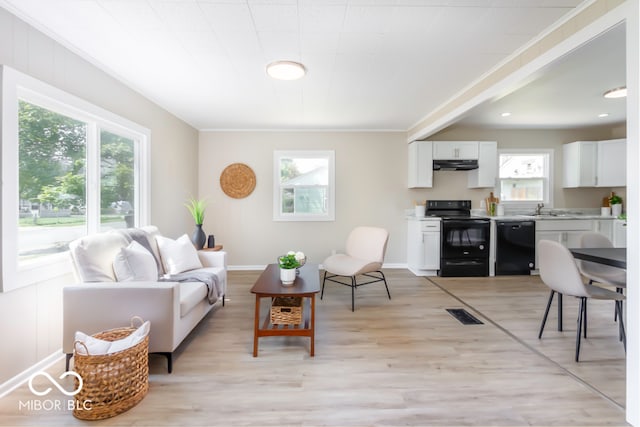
{"x": 197, "y": 207}
{"x": 288, "y": 264}
{"x": 616, "y": 205}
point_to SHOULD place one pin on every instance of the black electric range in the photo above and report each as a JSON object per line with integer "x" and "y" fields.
{"x": 464, "y": 239}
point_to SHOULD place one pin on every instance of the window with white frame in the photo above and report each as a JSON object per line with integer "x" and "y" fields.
{"x": 303, "y": 186}
{"x": 70, "y": 169}
{"x": 525, "y": 177}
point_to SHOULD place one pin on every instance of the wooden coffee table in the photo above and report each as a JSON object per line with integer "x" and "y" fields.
{"x": 306, "y": 286}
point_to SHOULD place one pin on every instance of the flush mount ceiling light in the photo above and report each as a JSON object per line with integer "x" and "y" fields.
{"x": 619, "y": 92}
{"x": 505, "y": 114}
{"x": 603, "y": 115}
{"x": 286, "y": 70}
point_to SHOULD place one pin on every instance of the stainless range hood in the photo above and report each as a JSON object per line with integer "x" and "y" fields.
{"x": 454, "y": 165}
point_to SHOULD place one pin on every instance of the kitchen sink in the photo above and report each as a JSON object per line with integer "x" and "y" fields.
{"x": 548, "y": 216}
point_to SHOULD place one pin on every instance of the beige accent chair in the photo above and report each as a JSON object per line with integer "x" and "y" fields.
{"x": 558, "y": 270}
{"x": 365, "y": 249}
{"x": 98, "y": 302}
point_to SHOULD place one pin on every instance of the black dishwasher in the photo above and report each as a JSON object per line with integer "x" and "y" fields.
{"x": 515, "y": 247}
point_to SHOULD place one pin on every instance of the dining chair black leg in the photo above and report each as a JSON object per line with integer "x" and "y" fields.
{"x": 559, "y": 312}
{"x": 584, "y": 320}
{"x": 579, "y": 329}
{"x": 615, "y": 316}
{"x": 623, "y": 335}
{"x": 546, "y": 313}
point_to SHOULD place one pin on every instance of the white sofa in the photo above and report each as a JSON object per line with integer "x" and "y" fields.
{"x": 100, "y": 302}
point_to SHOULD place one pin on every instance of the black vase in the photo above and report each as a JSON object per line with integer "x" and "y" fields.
{"x": 198, "y": 237}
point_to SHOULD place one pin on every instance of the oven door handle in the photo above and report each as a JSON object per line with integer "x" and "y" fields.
{"x": 464, "y": 222}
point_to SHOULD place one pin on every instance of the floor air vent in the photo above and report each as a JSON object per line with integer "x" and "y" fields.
{"x": 464, "y": 316}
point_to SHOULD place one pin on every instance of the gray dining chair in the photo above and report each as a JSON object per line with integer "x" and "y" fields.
{"x": 558, "y": 270}
{"x": 600, "y": 273}
{"x": 364, "y": 253}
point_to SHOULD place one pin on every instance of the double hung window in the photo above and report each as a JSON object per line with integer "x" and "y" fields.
{"x": 304, "y": 186}
{"x": 525, "y": 177}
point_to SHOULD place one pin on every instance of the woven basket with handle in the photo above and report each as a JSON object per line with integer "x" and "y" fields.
{"x": 112, "y": 383}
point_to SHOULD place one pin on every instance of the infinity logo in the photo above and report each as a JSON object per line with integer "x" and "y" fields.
{"x": 55, "y": 383}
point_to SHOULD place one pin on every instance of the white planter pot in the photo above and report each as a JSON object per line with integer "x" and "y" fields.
{"x": 287, "y": 276}
{"x": 616, "y": 210}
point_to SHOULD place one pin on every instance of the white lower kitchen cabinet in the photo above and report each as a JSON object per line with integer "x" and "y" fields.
{"x": 604, "y": 226}
{"x": 423, "y": 246}
{"x": 620, "y": 233}
{"x": 567, "y": 232}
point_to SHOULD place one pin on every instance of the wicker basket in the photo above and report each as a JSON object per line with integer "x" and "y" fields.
{"x": 286, "y": 310}
{"x": 112, "y": 383}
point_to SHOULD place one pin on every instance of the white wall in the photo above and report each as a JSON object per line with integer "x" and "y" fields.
{"x": 371, "y": 181}
{"x": 371, "y": 189}
{"x": 31, "y": 317}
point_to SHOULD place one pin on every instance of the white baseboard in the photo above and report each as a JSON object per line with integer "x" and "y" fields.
{"x": 15, "y": 382}
{"x": 262, "y": 267}
{"x": 246, "y": 267}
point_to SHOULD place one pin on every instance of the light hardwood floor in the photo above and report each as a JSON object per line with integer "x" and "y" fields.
{"x": 403, "y": 361}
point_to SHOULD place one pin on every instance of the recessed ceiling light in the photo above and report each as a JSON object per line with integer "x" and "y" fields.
{"x": 619, "y": 92}
{"x": 505, "y": 114}
{"x": 603, "y": 115}
{"x": 286, "y": 70}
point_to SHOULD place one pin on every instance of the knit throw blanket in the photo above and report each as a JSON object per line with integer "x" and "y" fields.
{"x": 208, "y": 278}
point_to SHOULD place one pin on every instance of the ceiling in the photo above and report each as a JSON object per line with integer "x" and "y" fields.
{"x": 566, "y": 94}
{"x": 372, "y": 64}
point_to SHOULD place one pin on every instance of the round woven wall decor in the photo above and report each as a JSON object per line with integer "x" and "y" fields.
{"x": 237, "y": 180}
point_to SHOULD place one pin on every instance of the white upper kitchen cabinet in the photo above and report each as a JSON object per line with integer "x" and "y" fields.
{"x": 420, "y": 164}
{"x": 485, "y": 175}
{"x": 611, "y": 163}
{"x": 594, "y": 164}
{"x": 455, "y": 150}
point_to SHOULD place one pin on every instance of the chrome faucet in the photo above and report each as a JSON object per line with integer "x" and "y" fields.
{"x": 539, "y": 208}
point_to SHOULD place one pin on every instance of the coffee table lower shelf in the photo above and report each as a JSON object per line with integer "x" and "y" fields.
{"x": 304, "y": 329}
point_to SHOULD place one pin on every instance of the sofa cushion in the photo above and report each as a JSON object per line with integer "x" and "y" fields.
{"x": 191, "y": 294}
{"x": 148, "y": 241}
{"x": 93, "y": 256}
{"x": 178, "y": 255}
{"x": 135, "y": 263}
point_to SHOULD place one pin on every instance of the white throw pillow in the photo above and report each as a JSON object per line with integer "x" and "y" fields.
{"x": 96, "y": 346}
{"x": 178, "y": 255}
{"x": 135, "y": 263}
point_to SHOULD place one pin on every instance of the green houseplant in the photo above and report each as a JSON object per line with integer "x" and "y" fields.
{"x": 288, "y": 264}
{"x": 616, "y": 205}
{"x": 615, "y": 200}
{"x": 197, "y": 207}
